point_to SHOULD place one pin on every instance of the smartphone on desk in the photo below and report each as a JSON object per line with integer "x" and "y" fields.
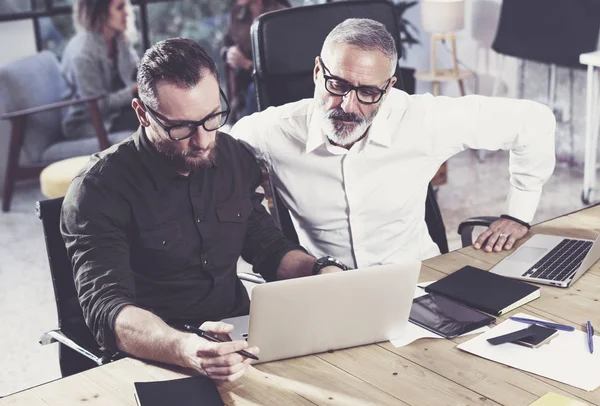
{"x": 539, "y": 335}
{"x": 532, "y": 336}
{"x": 446, "y": 317}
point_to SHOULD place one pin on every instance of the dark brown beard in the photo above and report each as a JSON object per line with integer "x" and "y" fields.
{"x": 181, "y": 159}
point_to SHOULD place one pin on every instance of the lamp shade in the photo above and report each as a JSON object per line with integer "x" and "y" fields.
{"x": 439, "y": 16}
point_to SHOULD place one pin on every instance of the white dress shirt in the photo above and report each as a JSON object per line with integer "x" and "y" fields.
{"x": 366, "y": 205}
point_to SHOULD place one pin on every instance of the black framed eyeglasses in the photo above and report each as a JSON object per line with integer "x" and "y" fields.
{"x": 185, "y": 129}
{"x": 340, "y": 87}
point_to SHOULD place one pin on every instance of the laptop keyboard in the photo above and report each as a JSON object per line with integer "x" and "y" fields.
{"x": 561, "y": 262}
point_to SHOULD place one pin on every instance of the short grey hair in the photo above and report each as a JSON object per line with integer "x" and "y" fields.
{"x": 366, "y": 34}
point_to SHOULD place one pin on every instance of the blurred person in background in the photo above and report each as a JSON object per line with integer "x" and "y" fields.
{"x": 237, "y": 52}
{"x": 100, "y": 59}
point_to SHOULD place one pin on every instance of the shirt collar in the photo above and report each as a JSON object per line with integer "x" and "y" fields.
{"x": 316, "y": 137}
{"x": 378, "y": 133}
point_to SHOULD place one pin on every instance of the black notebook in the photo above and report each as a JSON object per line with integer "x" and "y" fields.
{"x": 194, "y": 391}
{"x": 485, "y": 291}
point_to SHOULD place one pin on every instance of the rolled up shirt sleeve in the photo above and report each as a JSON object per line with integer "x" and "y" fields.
{"x": 524, "y": 127}
{"x": 94, "y": 227}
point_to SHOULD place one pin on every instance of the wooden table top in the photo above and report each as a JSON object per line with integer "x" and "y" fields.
{"x": 426, "y": 372}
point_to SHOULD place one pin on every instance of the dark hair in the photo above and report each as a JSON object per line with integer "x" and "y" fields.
{"x": 178, "y": 61}
{"x": 91, "y": 14}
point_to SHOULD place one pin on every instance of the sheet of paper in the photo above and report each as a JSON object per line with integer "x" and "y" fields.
{"x": 414, "y": 332}
{"x": 554, "y": 399}
{"x": 565, "y": 359}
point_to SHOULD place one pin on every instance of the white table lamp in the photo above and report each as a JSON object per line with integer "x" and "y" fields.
{"x": 442, "y": 18}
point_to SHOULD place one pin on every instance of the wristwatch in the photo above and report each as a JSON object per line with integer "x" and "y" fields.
{"x": 327, "y": 261}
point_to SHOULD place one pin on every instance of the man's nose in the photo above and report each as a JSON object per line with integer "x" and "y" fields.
{"x": 350, "y": 102}
{"x": 202, "y": 139}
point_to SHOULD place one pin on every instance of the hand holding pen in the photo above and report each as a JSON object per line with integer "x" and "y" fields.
{"x": 219, "y": 360}
{"x": 205, "y": 335}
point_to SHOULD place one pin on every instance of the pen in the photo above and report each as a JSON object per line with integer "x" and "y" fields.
{"x": 590, "y": 336}
{"x": 214, "y": 339}
{"x": 543, "y": 323}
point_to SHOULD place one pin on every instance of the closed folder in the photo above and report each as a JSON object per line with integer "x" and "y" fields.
{"x": 485, "y": 291}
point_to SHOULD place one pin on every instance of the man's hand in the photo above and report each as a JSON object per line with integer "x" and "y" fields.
{"x": 236, "y": 59}
{"x": 330, "y": 269}
{"x": 218, "y": 361}
{"x": 502, "y": 234}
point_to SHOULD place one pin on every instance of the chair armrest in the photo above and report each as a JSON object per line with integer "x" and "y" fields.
{"x": 250, "y": 277}
{"x": 53, "y": 336}
{"x": 51, "y": 106}
{"x": 465, "y": 229}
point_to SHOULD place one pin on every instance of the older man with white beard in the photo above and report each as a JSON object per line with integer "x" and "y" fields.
{"x": 353, "y": 163}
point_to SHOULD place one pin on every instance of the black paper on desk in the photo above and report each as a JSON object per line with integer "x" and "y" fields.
{"x": 193, "y": 391}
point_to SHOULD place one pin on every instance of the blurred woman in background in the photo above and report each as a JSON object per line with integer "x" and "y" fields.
{"x": 100, "y": 59}
{"x": 237, "y": 53}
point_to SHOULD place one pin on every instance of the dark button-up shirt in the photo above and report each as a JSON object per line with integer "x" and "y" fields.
{"x": 140, "y": 234}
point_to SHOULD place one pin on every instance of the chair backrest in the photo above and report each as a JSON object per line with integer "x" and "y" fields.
{"x": 70, "y": 315}
{"x": 286, "y": 42}
{"x": 548, "y": 31}
{"x": 31, "y": 82}
{"x": 283, "y": 68}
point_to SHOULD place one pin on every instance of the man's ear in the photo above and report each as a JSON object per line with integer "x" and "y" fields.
{"x": 392, "y": 83}
{"x": 316, "y": 70}
{"x": 140, "y": 111}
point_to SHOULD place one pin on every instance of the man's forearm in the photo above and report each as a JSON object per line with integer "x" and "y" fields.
{"x": 143, "y": 334}
{"x": 295, "y": 264}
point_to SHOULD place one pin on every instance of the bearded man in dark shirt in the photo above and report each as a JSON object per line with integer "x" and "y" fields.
{"x": 154, "y": 226}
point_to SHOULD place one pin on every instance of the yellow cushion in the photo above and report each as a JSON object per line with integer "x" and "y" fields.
{"x": 56, "y": 177}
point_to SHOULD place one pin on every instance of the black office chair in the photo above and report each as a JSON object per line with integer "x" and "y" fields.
{"x": 283, "y": 68}
{"x": 553, "y": 32}
{"x": 548, "y": 31}
{"x": 78, "y": 350}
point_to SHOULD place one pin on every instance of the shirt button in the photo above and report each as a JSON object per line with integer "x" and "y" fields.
{"x": 205, "y": 262}
{"x": 239, "y": 214}
{"x": 164, "y": 242}
{"x": 199, "y": 220}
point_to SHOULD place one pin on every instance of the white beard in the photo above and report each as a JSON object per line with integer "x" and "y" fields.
{"x": 341, "y": 134}
{"x": 344, "y": 134}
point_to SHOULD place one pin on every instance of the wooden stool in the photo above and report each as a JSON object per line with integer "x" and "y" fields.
{"x": 435, "y": 75}
{"x": 56, "y": 177}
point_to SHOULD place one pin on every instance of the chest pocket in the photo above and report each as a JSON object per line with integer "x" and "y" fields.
{"x": 230, "y": 230}
{"x": 235, "y": 210}
{"x": 164, "y": 237}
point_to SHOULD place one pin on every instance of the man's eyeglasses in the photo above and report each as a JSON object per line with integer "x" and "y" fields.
{"x": 185, "y": 129}
{"x": 341, "y": 87}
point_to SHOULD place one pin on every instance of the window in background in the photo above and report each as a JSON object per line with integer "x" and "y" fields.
{"x": 55, "y": 32}
{"x": 203, "y": 21}
{"x": 14, "y": 6}
{"x": 59, "y": 3}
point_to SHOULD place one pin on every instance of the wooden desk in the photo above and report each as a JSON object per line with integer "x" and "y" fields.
{"x": 427, "y": 372}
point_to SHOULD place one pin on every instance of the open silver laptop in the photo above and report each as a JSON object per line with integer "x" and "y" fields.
{"x": 550, "y": 260}
{"x": 309, "y": 315}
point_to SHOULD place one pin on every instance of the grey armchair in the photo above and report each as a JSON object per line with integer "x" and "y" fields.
{"x": 34, "y": 92}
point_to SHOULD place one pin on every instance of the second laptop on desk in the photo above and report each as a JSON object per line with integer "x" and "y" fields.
{"x": 550, "y": 260}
